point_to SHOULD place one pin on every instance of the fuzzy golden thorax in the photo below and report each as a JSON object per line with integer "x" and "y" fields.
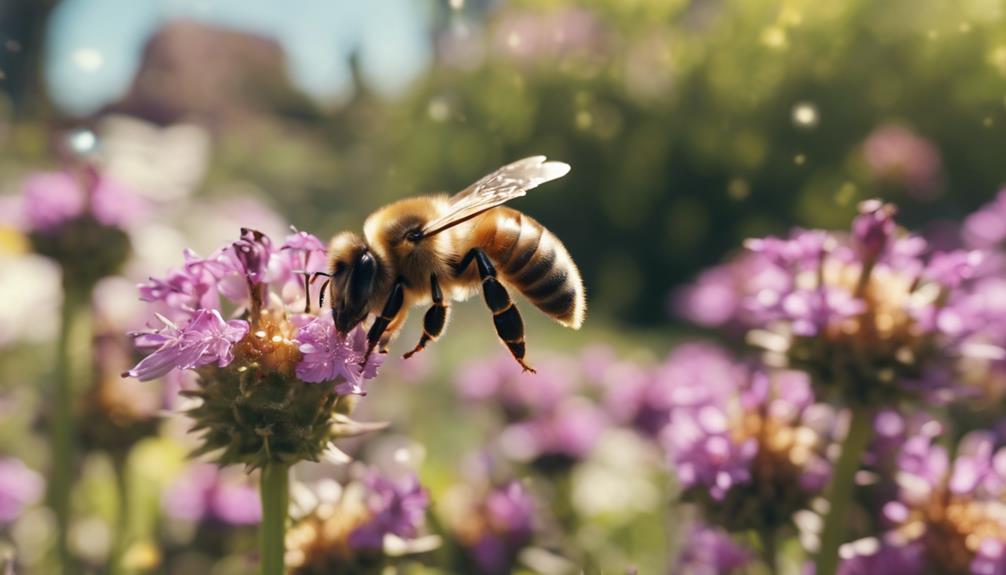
{"x": 388, "y": 232}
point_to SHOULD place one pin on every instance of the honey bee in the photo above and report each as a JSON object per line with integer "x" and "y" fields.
{"x": 429, "y": 250}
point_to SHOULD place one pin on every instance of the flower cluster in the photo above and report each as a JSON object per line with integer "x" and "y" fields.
{"x": 746, "y": 444}
{"x": 79, "y": 219}
{"x": 271, "y": 378}
{"x": 493, "y": 527}
{"x": 950, "y": 512}
{"x": 549, "y": 422}
{"x": 873, "y": 314}
{"x": 896, "y": 155}
{"x": 360, "y": 526}
{"x": 986, "y": 230}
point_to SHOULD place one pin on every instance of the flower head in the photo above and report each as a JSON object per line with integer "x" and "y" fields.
{"x": 270, "y": 380}
{"x": 364, "y": 524}
{"x": 952, "y": 510}
{"x": 493, "y": 526}
{"x": 79, "y": 220}
{"x": 871, "y": 314}
{"x": 897, "y": 155}
{"x": 395, "y": 507}
{"x": 752, "y": 450}
{"x": 54, "y": 199}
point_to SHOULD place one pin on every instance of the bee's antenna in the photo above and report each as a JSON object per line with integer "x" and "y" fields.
{"x": 308, "y": 280}
{"x": 321, "y": 295}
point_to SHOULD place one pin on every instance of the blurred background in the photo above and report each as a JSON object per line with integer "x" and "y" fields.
{"x": 690, "y": 125}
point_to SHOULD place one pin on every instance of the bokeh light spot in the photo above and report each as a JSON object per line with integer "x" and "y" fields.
{"x": 438, "y": 109}
{"x": 805, "y": 115}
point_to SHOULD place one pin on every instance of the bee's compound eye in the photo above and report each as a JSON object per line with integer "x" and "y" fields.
{"x": 414, "y": 235}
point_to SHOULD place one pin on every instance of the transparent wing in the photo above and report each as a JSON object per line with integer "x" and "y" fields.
{"x": 509, "y": 182}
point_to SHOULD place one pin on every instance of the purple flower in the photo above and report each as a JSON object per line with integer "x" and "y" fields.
{"x": 873, "y": 228}
{"x": 55, "y": 198}
{"x": 330, "y": 356}
{"x": 188, "y": 288}
{"x": 870, "y": 308}
{"x": 253, "y": 251}
{"x": 397, "y": 508}
{"x": 498, "y": 527}
{"x": 51, "y": 199}
{"x": 753, "y": 434}
{"x": 306, "y": 244}
{"x": 206, "y": 339}
{"x": 953, "y": 511}
{"x": 20, "y": 487}
{"x": 509, "y": 510}
{"x": 986, "y": 228}
{"x": 710, "y": 551}
{"x": 241, "y": 363}
{"x": 896, "y": 155}
{"x": 206, "y": 493}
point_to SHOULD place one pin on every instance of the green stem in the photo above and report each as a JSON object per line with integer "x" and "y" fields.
{"x": 841, "y": 488}
{"x": 275, "y": 491}
{"x": 769, "y": 551}
{"x": 121, "y": 534}
{"x": 73, "y": 372}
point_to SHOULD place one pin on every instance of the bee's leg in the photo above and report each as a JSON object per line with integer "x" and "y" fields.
{"x": 392, "y": 306}
{"x": 391, "y": 332}
{"x": 509, "y": 325}
{"x": 435, "y": 318}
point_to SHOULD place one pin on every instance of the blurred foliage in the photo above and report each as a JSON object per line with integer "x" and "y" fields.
{"x": 677, "y": 119}
{"x": 676, "y": 116}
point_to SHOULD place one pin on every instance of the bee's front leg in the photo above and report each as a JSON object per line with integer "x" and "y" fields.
{"x": 392, "y": 306}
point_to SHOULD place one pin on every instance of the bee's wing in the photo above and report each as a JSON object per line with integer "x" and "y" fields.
{"x": 509, "y": 182}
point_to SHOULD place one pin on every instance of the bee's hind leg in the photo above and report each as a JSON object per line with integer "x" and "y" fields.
{"x": 506, "y": 317}
{"x": 434, "y": 320}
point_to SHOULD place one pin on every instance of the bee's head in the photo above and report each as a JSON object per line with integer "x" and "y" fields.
{"x": 353, "y": 269}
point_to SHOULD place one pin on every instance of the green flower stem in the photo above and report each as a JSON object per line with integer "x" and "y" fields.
{"x": 120, "y": 539}
{"x": 769, "y": 550}
{"x": 841, "y": 488}
{"x": 275, "y": 491}
{"x": 73, "y": 372}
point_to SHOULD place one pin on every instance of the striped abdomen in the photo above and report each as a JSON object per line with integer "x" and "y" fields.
{"x": 530, "y": 258}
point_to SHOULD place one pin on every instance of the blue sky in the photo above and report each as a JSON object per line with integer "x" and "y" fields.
{"x": 94, "y": 46}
